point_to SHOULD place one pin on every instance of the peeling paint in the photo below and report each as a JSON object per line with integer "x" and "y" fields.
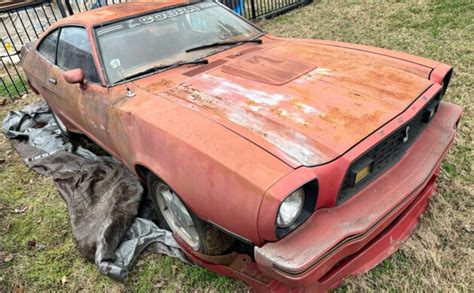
{"x": 307, "y": 108}
{"x": 249, "y": 115}
{"x": 293, "y": 143}
{"x": 198, "y": 97}
{"x": 300, "y": 120}
{"x": 315, "y": 72}
{"x": 255, "y": 108}
{"x": 257, "y": 96}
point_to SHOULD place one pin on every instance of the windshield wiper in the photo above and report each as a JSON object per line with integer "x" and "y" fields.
{"x": 258, "y": 41}
{"x": 163, "y": 67}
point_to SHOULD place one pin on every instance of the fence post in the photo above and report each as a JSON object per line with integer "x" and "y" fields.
{"x": 69, "y": 7}
{"x": 252, "y": 9}
{"x": 61, "y": 8}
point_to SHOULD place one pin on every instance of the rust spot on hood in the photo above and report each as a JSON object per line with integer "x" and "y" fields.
{"x": 359, "y": 125}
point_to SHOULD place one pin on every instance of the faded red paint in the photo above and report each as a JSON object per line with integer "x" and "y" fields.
{"x": 75, "y": 76}
{"x": 233, "y": 138}
{"x": 273, "y": 106}
{"x": 356, "y": 236}
{"x": 385, "y": 199}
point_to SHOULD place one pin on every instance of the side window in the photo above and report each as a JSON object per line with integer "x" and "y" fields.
{"x": 74, "y": 51}
{"x": 47, "y": 47}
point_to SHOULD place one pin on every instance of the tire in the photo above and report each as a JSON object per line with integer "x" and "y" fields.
{"x": 173, "y": 215}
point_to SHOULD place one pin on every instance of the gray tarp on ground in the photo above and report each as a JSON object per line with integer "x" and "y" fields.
{"x": 102, "y": 196}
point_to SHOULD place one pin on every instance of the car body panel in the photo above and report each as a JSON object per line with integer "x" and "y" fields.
{"x": 331, "y": 175}
{"x": 341, "y": 91}
{"x": 73, "y": 105}
{"x": 364, "y": 233}
{"x": 331, "y": 232}
{"x": 202, "y": 161}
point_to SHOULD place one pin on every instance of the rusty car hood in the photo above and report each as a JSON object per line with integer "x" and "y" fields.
{"x": 305, "y": 103}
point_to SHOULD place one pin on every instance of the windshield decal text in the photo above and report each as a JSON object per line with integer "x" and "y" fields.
{"x": 168, "y": 14}
{"x": 151, "y": 18}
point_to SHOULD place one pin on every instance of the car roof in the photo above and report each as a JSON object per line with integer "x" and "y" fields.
{"x": 117, "y": 11}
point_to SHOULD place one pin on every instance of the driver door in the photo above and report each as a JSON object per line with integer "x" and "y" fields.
{"x": 79, "y": 106}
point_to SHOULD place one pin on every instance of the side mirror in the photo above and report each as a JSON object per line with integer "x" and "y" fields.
{"x": 75, "y": 76}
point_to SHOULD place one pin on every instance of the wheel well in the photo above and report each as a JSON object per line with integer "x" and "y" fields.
{"x": 242, "y": 246}
{"x": 142, "y": 172}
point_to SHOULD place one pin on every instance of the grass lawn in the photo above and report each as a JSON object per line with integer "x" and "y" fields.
{"x": 439, "y": 255}
{"x": 10, "y": 89}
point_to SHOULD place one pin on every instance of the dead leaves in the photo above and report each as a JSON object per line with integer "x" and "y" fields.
{"x": 161, "y": 284}
{"x": 21, "y": 210}
{"x": 6, "y": 228}
{"x": 3, "y": 101}
{"x": 31, "y": 244}
{"x": 8, "y": 258}
{"x": 468, "y": 228}
{"x": 63, "y": 280}
{"x": 19, "y": 289}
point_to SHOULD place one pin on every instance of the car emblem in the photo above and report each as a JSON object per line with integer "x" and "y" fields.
{"x": 405, "y": 138}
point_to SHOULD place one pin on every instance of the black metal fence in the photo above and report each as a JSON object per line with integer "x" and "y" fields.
{"x": 70, "y": 7}
{"x": 255, "y": 9}
{"x": 24, "y": 21}
{"x": 250, "y": 9}
{"x": 20, "y": 23}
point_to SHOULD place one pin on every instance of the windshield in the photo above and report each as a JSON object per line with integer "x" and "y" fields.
{"x": 161, "y": 38}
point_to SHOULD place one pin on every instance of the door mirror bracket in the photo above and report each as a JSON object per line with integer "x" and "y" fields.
{"x": 75, "y": 76}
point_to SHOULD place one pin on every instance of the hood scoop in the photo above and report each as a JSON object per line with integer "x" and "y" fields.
{"x": 275, "y": 66}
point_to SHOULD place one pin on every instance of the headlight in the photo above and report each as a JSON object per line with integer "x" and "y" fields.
{"x": 290, "y": 208}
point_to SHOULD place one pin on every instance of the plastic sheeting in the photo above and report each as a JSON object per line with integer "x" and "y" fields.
{"x": 102, "y": 196}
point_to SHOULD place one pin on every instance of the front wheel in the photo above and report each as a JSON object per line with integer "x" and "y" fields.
{"x": 176, "y": 217}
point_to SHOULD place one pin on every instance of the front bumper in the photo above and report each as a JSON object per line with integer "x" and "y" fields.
{"x": 353, "y": 237}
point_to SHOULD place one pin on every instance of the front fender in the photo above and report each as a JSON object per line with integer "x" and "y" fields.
{"x": 218, "y": 174}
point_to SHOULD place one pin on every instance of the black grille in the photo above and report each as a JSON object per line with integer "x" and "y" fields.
{"x": 388, "y": 151}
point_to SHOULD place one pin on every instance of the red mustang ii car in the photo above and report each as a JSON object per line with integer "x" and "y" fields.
{"x": 288, "y": 163}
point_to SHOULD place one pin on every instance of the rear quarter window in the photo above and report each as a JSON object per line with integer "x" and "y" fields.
{"x": 47, "y": 48}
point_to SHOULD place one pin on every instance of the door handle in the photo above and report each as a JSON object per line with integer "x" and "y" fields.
{"x": 52, "y": 81}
